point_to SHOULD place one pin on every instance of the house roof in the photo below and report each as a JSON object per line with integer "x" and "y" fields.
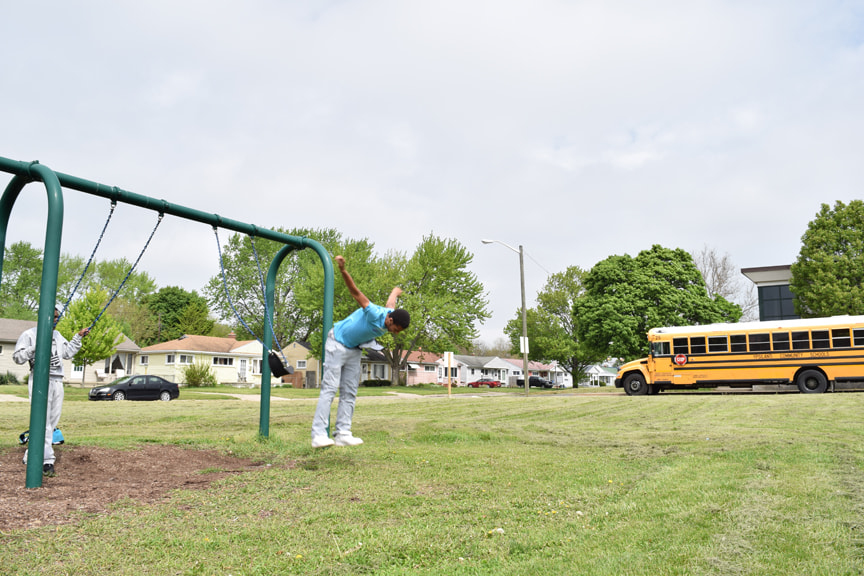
{"x": 423, "y": 357}
{"x": 532, "y": 365}
{"x": 197, "y": 343}
{"x": 10, "y": 330}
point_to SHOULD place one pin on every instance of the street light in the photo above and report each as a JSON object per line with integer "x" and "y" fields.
{"x": 523, "y": 342}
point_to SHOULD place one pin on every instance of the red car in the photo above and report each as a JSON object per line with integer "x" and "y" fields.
{"x": 485, "y": 382}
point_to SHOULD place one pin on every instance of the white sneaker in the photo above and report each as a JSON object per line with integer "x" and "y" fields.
{"x": 347, "y": 440}
{"x": 321, "y": 442}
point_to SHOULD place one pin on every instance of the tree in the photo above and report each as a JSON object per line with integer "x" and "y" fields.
{"x": 828, "y": 276}
{"x": 299, "y": 288}
{"x": 552, "y": 329}
{"x": 723, "y": 278}
{"x": 445, "y": 301}
{"x": 135, "y": 320}
{"x": 169, "y": 306}
{"x": 104, "y": 336}
{"x": 625, "y": 297}
{"x": 194, "y": 319}
{"x": 22, "y": 277}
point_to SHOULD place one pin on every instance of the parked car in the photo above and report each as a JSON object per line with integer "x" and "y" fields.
{"x": 535, "y": 382}
{"x": 490, "y": 382}
{"x": 142, "y": 387}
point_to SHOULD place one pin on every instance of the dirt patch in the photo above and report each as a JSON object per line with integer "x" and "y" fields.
{"x": 90, "y": 479}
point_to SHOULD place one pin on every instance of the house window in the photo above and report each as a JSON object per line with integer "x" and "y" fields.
{"x": 76, "y": 368}
{"x": 143, "y": 360}
{"x": 256, "y": 366}
{"x": 378, "y": 371}
{"x": 169, "y": 359}
{"x": 1, "y": 349}
{"x": 222, "y": 361}
{"x": 301, "y": 364}
{"x": 429, "y": 368}
{"x": 186, "y": 359}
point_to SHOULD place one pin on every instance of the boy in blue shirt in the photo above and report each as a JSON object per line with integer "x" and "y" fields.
{"x": 342, "y": 353}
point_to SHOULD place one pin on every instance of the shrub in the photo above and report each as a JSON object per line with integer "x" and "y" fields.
{"x": 8, "y": 378}
{"x": 199, "y": 375}
{"x": 373, "y": 383}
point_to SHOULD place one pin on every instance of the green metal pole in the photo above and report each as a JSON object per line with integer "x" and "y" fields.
{"x": 264, "y": 417}
{"x": 47, "y": 297}
{"x": 327, "y": 323}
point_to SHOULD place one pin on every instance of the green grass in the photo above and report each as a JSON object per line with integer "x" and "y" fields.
{"x": 557, "y": 483}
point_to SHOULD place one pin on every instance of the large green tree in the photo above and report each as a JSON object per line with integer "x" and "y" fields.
{"x": 22, "y": 276}
{"x": 299, "y": 289}
{"x": 828, "y": 276}
{"x": 625, "y": 297}
{"x": 105, "y": 335}
{"x": 552, "y": 333}
{"x": 172, "y": 306}
{"x": 444, "y": 298}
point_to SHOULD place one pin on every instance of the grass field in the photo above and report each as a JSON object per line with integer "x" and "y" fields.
{"x": 552, "y": 483}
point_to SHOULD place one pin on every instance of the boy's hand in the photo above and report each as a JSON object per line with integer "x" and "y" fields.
{"x": 340, "y": 261}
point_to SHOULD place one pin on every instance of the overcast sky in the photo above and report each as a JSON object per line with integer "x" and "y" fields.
{"x": 578, "y": 129}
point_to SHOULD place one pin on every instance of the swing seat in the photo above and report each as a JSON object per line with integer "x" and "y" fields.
{"x": 277, "y": 368}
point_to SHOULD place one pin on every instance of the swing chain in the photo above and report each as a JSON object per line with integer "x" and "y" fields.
{"x": 129, "y": 273}
{"x": 90, "y": 261}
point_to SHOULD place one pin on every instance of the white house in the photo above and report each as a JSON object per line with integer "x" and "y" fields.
{"x": 476, "y": 367}
{"x": 231, "y": 360}
{"x": 598, "y": 375}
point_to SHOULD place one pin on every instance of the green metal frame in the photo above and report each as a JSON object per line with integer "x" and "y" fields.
{"x": 27, "y": 172}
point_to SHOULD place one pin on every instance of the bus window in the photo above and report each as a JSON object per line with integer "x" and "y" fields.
{"x": 718, "y": 344}
{"x": 800, "y": 340}
{"x": 660, "y": 348}
{"x": 820, "y": 339}
{"x": 680, "y": 345}
{"x": 781, "y": 340}
{"x": 759, "y": 342}
{"x": 697, "y": 345}
{"x": 840, "y": 338}
{"x": 739, "y": 342}
{"x": 858, "y": 333}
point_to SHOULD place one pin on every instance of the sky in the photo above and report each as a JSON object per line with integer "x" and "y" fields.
{"x": 576, "y": 129}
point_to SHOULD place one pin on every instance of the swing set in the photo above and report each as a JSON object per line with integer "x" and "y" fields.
{"x": 54, "y": 182}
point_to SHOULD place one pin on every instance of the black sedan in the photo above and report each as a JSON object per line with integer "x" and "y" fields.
{"x": 137, "y": 388}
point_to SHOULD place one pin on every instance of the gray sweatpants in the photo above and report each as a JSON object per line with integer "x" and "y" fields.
{"x": 342, "y": 373}
{"x": 55, "y": 406}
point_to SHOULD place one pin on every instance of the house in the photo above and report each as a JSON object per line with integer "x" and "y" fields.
{"x": 476, "y": 367}
{"x": 121, "y": 362}
{"x": 374, "y": 366}
{"x": 307, "y": 368}
{"x": 10, "y": 330}
{"x": 421, "y": 368}
{"x": 232, "y": 361}
{"x": 599, "y": 375}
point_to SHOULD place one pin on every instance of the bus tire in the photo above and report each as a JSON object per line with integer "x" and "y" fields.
{"x": 812, "y": 382}
{"x": 634, "y": 385}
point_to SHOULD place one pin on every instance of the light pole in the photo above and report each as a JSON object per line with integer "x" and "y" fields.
{"x": 523, "y": 342}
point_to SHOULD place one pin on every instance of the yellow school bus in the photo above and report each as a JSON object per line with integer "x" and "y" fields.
{"x": 814, "y": 354}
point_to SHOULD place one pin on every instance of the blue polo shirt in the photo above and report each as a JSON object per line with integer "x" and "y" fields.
{"x": 362, "y": 325}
